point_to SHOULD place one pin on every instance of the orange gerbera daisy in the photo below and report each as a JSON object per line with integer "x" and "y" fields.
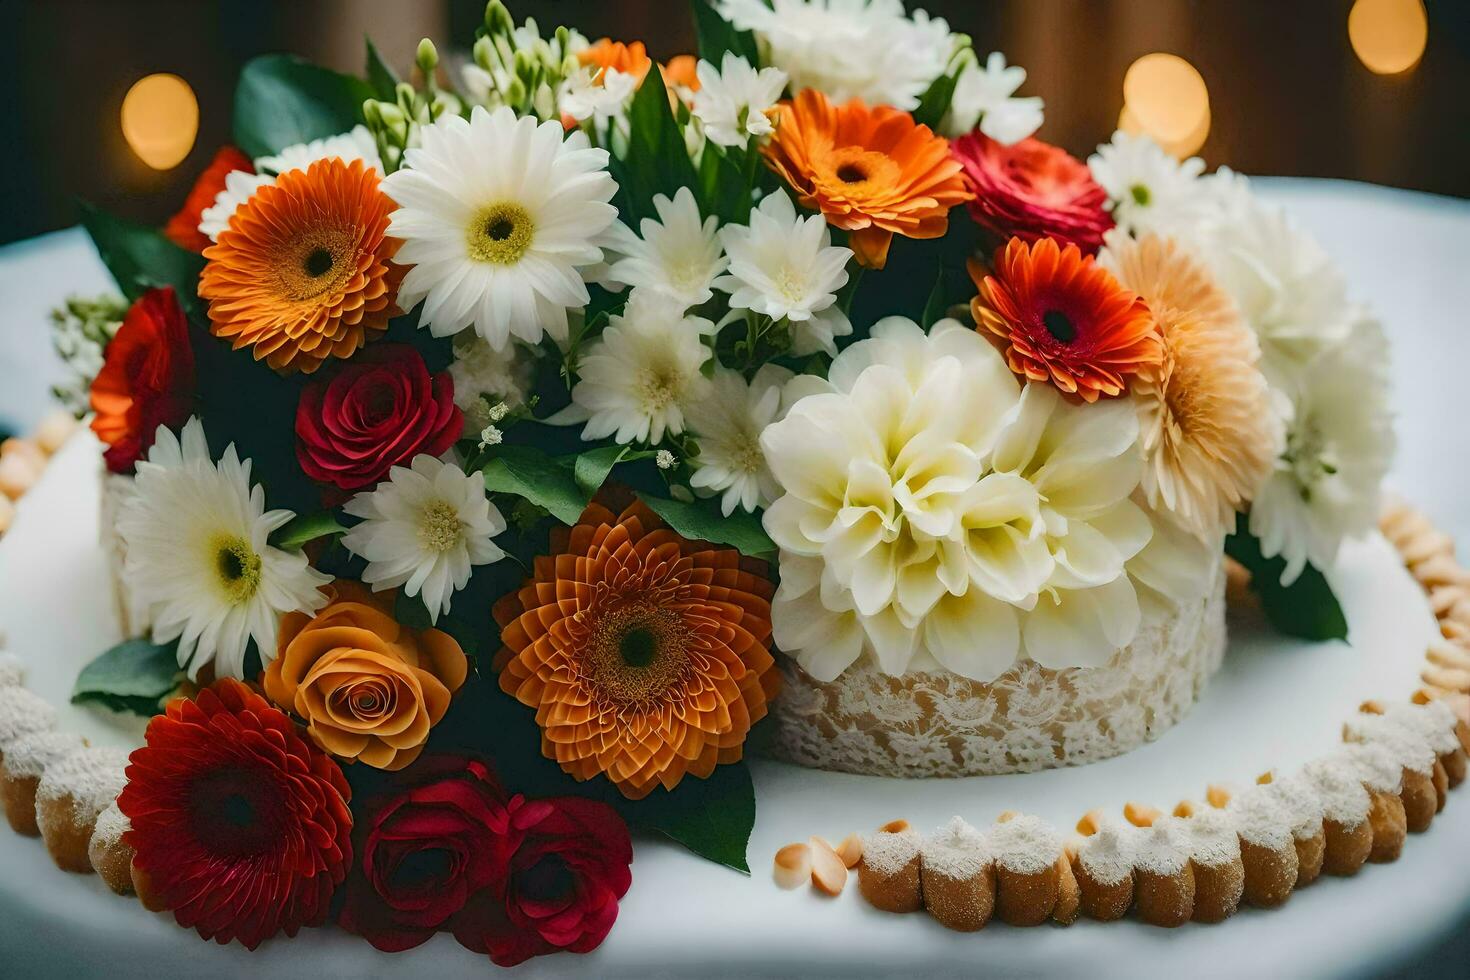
{"x": 630, "y": 59}
{"x": 1060, "y": 317}
{"x": 871, "y": 171}
{"x": 302, "y": 273}
{"x": 645, "y": 655}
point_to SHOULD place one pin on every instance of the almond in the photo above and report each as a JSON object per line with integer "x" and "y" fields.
{"x": 850, "y": 850}
{"x": 829, "y": 874}
{"x": 793, "y": 865}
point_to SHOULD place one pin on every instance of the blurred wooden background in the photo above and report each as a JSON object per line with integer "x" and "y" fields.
{"x": 1288, "y": 95}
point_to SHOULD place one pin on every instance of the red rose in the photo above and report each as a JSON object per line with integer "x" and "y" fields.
{"x": 381, "y": 409}
{"x": 147, "y": 379}
{"x": 1032, "y": 190}
{"x": 565, "y": 879}
{"x": 183, "y": 228}
{"x": 439, "y": 836}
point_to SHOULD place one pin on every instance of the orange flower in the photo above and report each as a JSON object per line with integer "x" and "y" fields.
{"x": 679, "y": 73}
{"x": 367, "y": 688}
{"x": 873, "y": 172}
{"x": 631, "y": 59}
{"x": 645, "y": 655}
{"x": 302, "y": 273}
{"x": 1060, "y": 317}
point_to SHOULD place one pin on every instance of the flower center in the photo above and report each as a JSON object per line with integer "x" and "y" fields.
{"x": 638, "y": 646}
{"x": 747, "y": 456}
{"x": 423, "y": 867}
{"x": 851, "y": 173}
{"x": 1308, "y": 457}
{"x": 658, "y": 387}
{"x": 237, "y": 567}
{"x": 1059, "y": 325}
{"x": 791, "y": 285}
{"x": 315, "y": 262}
{"x": 233, "y": 812}
{"x": 500, "y": 233}
{"x": 637, "y": 652}
{"x": 1141, "y": 195}
{"x": 318, "y": 262}
{"x": 439, "y": 526}
{"x": 547, "y": 880}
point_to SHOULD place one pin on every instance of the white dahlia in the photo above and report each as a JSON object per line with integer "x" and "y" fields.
{"x": 356, "y": 144}
{"x": 485, "y": 377}
{"x": 985, "y": 97}
{"x": 239, "y": 186}
{"x": 497, "y": 216}
{"x": 733, "y": 102}
{"x": 195, "y": 534}
{"x": 641, "y": 375}
{"x": 678, "y": 256}
{"x": 1149, "y": 190}
{"x": 728, "y": 424}
{"x": 425, "y": 528}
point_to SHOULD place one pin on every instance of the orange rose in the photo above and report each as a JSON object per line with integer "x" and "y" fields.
{"x": 368, "y": 688}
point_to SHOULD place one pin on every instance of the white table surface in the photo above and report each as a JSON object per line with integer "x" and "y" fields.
{"x": 1401, "y": 251}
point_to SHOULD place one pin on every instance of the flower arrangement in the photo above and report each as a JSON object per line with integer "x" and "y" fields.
{"x": 492, "y": 433}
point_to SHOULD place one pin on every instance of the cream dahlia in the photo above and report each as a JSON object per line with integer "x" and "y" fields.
{"x": 678, "y": 255}
{"x": 728, "y": 425}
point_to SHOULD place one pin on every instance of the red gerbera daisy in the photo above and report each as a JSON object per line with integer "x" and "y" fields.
{"x": 1060, "y": 317}
{"x": 183, "y": 228}
{"x": 240, "y": 825}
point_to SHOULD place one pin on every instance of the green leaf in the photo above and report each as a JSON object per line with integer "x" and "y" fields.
{"x": 592, "y": 467}
{"x": 530, "y": 473}
{"x": 1306, "y": 608}
{"x": 717, "y": 35}
{"x": 657, "y": 161}
{"x": 306, "y": 527}
{"x": 934, "y": 306}
{"x": 701, "y": 520}
{"x": 381, "y": 75}
{"x": 282, "y": 100}
{"x": 140, "y": 258}
{"x": 134, "y": 676}
{"x": 934, "y": 103}
{"x": 712, "y": 817}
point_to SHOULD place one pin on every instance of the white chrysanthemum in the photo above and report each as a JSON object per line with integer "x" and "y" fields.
{"x": 239, "y": 186}
{"x": 195, "y": 533}
{"x": 986, "y": 97}
{"x": 485, "y": 377}
{"x": 357, "y": 144}
{"x": 497, "y": 215}
{"x": 785, "y": 266}
{"x": 596, "y": 93}
{"x": 678, "y": 256}
{"x": 1148, "y": 190}
{"x": 863, "y": 49}
{"x": 424, "y": 528}
{"x": 637, "y": 380}
{"x": 1339, "y": 444}
{"x": 728, "y": 424}
{"x": 734, "y": 100}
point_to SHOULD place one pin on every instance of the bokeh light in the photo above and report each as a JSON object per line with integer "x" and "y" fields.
{"x": 1388, "y": 35}
{"x": 1165, "y": 97}
{"x": 160, "y": 119}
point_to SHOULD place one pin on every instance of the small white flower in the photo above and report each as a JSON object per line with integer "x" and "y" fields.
{"x": 239, "y": 186}
{"x": 198, "y": 559}
{"x": 728, "y": 425}
{"x": 357, "y": 144}
{"x": 985, "y": 97}
{"x": 490, "y": 436}
{"x": 497, "y": 216}
{"x": 678, "y": 256}
{"x": 733, "y": 102}
{"x": 498, "y": 411}
{"x": 598, "y": 94}
{"x": 1148, "y": 190}
{"x": 485, "y": 379}
{"x": 785, "y": 266}
{"x": 424, "y": 528}
{"x": 665, "y": 460}
{"x": 640, "y": 376}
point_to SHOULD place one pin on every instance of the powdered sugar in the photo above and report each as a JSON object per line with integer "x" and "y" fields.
{"x": 28, "y": 756}
{"x": 1345, "y": 801}
{"x": 1165, "y": 847}
{"x": 111, "y": 825}
{"x": 22, "y": 713}
{"x": 92, "y": 778}
{"x": 1212, "y": 838}
{"x": 1026, "y": 845}
{"x": 888, "y": 854}
{"x": 1261, "y": 819}
{"x": 1300, "y": 800}
{"x": 1433, "y": 722}
{"x": 956, "y": 850}
{"x": 12, "y": 670}
{"x": 1411, "y": 751}
{"x": 1108, "y": 855}
{"x": 1376, "y": 766}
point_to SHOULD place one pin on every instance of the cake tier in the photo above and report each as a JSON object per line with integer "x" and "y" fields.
{"x": 926, "y": 723}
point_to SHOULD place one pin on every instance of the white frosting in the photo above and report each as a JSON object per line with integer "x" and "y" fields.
{"x": 1411, "y": 751}
{"x": 28, "y": 756}
{"x": 1303, "y": 804}
{"x": 1376, "y": 766}
{"x": 1345, "y": 800}
{"x": 889, "y": 854}
{"x": 92, "y": 778}
{"x": 22, "y": 713}
{"x": 1261, "y": 819}
{"x": 956, "y": 850}
{"x": 1212, "y": 838}
{"x": 111, "y": 825}
{"x": 1026, "y": 845}
{"x": 1108, "y": 855}
{"x": 1165, "y": 847}
{"x": 1434, "y": 722}
{"x": 12, "y": 670}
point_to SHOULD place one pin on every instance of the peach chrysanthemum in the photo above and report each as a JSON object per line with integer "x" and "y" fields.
{"x": 303, "y": 272}
{"x": 1207, "y": 427}
{"x": 1059, "y": 317}
{"x": 873, "y": 172}
{"x": 644, "y": 654}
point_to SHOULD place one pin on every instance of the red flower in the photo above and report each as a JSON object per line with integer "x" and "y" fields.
{"x": 439, "y": 835}
{"x": 1033, "y": 190}
{"x": 240, "y": 825}
{"x": 566, "y": 876}
{"x": 147, "y": 379}
{"x": 379, "y": 411}
{"x": 183, "y": 228}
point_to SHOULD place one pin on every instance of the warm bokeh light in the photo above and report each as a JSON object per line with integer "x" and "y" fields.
{"x": 1388, "y": 35}
{"x": 160, "y": 118}
{"x": 1166, "y": 97}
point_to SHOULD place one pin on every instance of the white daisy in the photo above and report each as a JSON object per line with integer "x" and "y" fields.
{"x": 1339, "y": 444}
{"x": 485, "y": 377}
{"x": 497, "y": 215}
{"x": 728, "y": 425}
{"x": 239, "y": 186}
{"x": 785, "y": 266}
{"x": 356, "y": 144}
{"x": 195, "y": 534}
{"x": 640, "y": 376}
{"x": 1148, "y": 190}
{"x": 678, "y": 256}
{"x": 864, "y": 49}
{"x": 598, "y": 94}
{"x": 424, "y": 528}
{"x": 733, "y": 102}
{"x": 985, "y": 97}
